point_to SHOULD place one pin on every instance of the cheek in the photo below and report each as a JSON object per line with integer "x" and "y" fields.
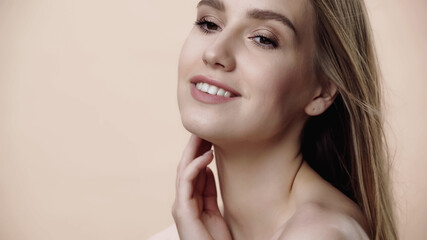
{"x": 191, "y": 55}
{"x": 274, "y": 86}
{"x": 278, "y": 96}
{"x": 188, "y": 59}
{"x": 185, "y": 59}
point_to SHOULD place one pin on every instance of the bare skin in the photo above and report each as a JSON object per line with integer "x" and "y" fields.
{"x": 268, "y": 191}
{"x": 316, "y": 210}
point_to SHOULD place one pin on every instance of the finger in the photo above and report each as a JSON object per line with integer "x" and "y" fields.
{"x": 204, "y": 146}
{"x": 199, "y": 183}
{"x": 210, "y": 196}
{"x": 195, "y": 148}
{"x": 192, "y": 144}
{"x": 186, "y": 183}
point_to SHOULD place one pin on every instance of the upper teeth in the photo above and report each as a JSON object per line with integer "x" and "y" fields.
{"x": 213, "y": 90}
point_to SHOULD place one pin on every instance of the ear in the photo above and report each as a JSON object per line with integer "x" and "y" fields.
{"x": 323, "y": 98}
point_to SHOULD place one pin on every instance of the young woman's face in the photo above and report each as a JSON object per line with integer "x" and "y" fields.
{"x": 259, "y": 54}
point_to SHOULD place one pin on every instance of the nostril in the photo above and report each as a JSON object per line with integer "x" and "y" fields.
{"x": 219, "y": 64}
{"x": 219, "y": 58}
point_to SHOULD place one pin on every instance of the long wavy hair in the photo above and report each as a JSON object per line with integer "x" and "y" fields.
{"x": 346, "y": 144}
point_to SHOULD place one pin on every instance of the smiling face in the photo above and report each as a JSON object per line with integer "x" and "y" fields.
{"x": 261, "y": 53}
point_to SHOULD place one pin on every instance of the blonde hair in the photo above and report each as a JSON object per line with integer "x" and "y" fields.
{"x": 346, "y": 144}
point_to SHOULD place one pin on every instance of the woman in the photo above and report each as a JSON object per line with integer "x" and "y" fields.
{"x": 287, "y": 93}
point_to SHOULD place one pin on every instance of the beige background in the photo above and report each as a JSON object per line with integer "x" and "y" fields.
{"x": 90, "y": 134}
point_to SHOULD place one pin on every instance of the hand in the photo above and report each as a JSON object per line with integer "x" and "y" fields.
{"x": 195, "y": 209}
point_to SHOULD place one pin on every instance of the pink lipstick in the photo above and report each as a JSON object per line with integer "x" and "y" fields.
{"x": 210, "y": 91}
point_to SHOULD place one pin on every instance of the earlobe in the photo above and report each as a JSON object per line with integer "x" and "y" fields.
{"x": 322, "y": 100}
{"x": 317, "y": 107}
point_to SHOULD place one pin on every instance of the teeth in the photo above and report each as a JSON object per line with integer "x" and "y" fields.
{"x": 213, "y": 90}
{"x": 220, "y": 92}
{"x": 199, "y": 85}
{"x": 205, "y": 87}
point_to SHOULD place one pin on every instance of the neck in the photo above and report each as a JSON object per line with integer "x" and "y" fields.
{"x": 256, "y": 186}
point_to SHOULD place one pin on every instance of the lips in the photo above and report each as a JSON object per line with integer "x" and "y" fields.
{"x": 210, "y": 91}
{"x": 210, "y": 86}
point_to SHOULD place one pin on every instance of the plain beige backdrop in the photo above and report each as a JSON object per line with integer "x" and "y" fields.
{"x": 90, "y": 133}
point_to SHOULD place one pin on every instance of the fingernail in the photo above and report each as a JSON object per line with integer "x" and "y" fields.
{"x": 208, "y": 152}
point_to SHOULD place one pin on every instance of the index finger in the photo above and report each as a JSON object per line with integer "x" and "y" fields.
{"x": 196, "y": 147}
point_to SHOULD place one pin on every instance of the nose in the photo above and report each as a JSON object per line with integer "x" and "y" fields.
{"x": 219, "y": 54}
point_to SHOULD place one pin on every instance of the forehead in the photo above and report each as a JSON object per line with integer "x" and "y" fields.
{"x": 299, "y": 12}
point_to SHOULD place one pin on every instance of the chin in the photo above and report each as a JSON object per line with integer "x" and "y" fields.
{"x": 210, "y": 124}
{"x": 218, "y": 133}
{"x": 199, "y": 121}
{"x": 201, "y": 127}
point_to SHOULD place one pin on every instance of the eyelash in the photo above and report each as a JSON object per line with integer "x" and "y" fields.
{"x": 202, "y": 22}
{"x": 273, "y": 43}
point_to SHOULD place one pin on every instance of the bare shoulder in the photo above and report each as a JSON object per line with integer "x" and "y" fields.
{"x": 314, "y": 221}
{"x": 169, "y": 233}
{"x": 322, "y": 212}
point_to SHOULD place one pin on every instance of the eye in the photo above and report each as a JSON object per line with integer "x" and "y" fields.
{"x": 207, "y": 26}
{"x": 264, "y": 41}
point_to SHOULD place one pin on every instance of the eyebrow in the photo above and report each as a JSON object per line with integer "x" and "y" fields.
{"x": 217, "y": 4}
{"x": 255, "y": 13}
{"x": 270, "y": 15}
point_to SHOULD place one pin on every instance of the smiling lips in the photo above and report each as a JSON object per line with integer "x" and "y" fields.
{"x": 210, "y": 91}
